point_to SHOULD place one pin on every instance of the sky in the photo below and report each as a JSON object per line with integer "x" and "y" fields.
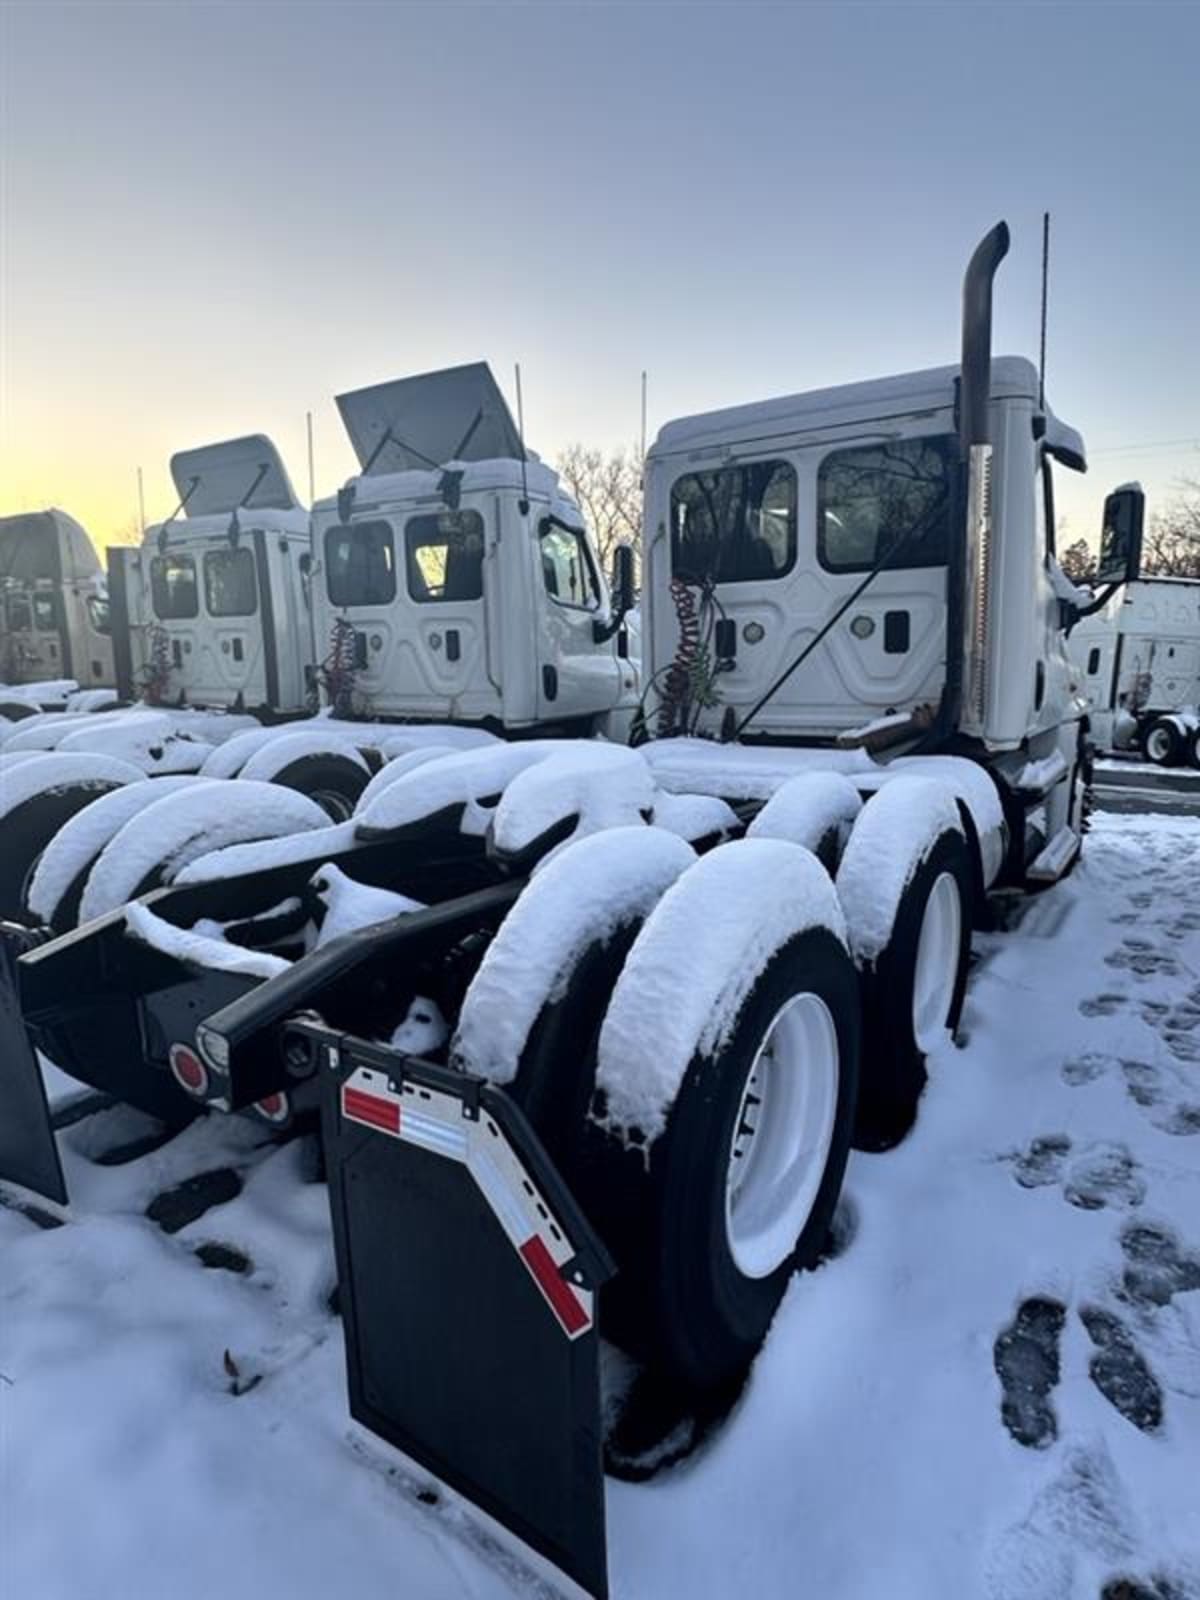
{"x": 215, "y": 217}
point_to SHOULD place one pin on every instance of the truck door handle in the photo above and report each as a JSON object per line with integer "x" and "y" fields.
{"x": 453, "y": 645}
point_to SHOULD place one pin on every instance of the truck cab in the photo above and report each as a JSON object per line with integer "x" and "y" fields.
{"x": 212, "y": 610}
{"x": 845, "y": 503}
{"x": 453, "y": 579}
{"x": 54, "y": 621}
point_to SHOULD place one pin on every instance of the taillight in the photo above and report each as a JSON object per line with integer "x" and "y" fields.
{"x": 188, "y": 1070}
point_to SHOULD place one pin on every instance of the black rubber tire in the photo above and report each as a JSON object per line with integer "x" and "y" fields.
{"x": 11, "y": 711}
{"x": 29, "y": 828}
{"x": 333, "y": 781}
{"x": 1194, "y": 748}
{"x": 893, "y": 1064}
{"x": 679, "y": 1301}
{"x": 1173, "y": 752}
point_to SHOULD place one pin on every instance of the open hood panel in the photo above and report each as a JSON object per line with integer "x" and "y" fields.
{"x": 227, "y": 471}
{"x": 457, "y": 414}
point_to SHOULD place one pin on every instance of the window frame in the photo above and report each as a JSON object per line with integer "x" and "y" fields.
{"x": 159, "y": 562}
{"x": 552, "y": 524}
{"x": 211, "y": 556}
{"x": 44, "y": 602}
{"x": 740, "y": 464}
{"x": 353, "y": 527}
{"x": 410, "y": 557}
{"x": 947, "y": 448}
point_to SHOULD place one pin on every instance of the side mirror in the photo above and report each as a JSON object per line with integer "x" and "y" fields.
{"x": 1121, "y": 536}
{"x": 622, "y": 579}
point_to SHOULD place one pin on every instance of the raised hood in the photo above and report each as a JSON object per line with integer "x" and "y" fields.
{"x": 457, "y": 414}
{"x": 237, "y": 472}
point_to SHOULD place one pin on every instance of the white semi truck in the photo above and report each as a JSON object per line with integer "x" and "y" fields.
{"x": 1138, "y": 664}
{"x": 591, "y": 1027}
{"x": 54, "y": 618}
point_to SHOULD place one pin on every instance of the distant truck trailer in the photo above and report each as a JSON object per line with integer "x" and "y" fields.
{"x": 54, "y": 621}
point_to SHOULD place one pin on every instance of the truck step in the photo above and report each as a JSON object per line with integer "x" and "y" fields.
{"x": 1049, "y": 866}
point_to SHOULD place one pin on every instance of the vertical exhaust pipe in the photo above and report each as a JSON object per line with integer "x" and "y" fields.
{"x": 968, "y": 576}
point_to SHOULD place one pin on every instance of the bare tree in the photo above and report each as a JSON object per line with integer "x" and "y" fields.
{"x": 1078, "y": 561}
{"x": 129, "y": 533}
{"x": 608, "y": 490}
{"x": 1172, "y": 545}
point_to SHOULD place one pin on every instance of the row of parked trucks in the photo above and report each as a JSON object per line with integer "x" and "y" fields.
{"x": 592, "y": 979}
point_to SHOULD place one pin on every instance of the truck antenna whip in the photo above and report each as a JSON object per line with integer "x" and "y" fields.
{"x": 1045, "y": 291}
{"x": 524, "y": 503}
{"x": 141, "y": 503}
{"x": 311, "y": 480}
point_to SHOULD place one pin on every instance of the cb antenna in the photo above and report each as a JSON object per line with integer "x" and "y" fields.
{"x": 523, "y": 505}
{"x": 1045, "y": 297}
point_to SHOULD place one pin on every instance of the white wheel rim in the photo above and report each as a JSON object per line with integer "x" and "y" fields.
{"x": 1158, "y": 745}
{"x": 782, "y": 1136}
{"x": 936, "y": 973}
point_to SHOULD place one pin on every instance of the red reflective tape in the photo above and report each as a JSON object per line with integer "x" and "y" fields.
{"x": 372, "y": 1109}
{"x": 563, "y": 1301}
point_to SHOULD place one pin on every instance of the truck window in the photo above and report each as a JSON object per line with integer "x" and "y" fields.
{"x": 230, "y": 588}
{"x": 736, "y": 524}
{"x": 20, "y": 617}
{"x": 872, "y": 497}
{"x": 567, "y": 569}
{"x": 444, "y": 553}
{"x": 173, "y": 589}
{"x": 97, "y": 607}
{"x": 43, "y": 613}
{"x": 360, "y": 564}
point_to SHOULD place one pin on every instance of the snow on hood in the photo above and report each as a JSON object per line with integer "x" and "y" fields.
{"x": 601, "y": 785}
{"x": 693, "y": 965}
{"x": 580, "y": 898}
{"x": 887, "y": 844}
{"x": 350, "y": 905}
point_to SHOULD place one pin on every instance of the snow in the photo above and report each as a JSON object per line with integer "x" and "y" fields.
{"x": 260, "y": 855}
{"x": 182, "y": 827}
{"x": 694, "y": 816}
{"x": 886, "y": 846}
{"x": 866, "y": 1457}
{"x": 231, "y": 755}
{"x": 579, "y": 898}
{"x": 692, "y": 966}
{"x": 974, "y": 787}
{"x": 91, "y": 700}
{"x": 40, "y": 693}
{"x": 599, "y": 785}
{"x": 270, "y": 759}
{"x": 423, "y": 1030}
{"x": 42, "y": 731}
{"x": 465, "y": 778}
{"x": 52, "y": 770}
{"x": 350, "y": 905}
{"x": 742, "y": 772}
{"x": 1039, "y": 776}
{"x": 80, "y": 840}
{"x": 200, "y": 949}
{"x": 807, "y": 809}
{"x": 409, "y": 761}
{"x": 149, "y": 739}
{"x": 399, "y": 738}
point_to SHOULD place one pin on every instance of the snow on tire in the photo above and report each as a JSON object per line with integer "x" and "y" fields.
{"x": 728, "y": 1072}
{"x": 333, "y": 774}
{"x": 156, "y": 844}
{"x": 539, "y": 997}
{"x": 905, "y": 885}
{"x": 57, "y": 883}
{"x": 37, "y": 798}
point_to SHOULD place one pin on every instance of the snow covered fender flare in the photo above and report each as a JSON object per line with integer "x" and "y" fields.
{"x": 330, "y": 771}
{"x": 905, "y": 885}
{"x": 531, "y": 1017}
{"x": 37, "y": 798}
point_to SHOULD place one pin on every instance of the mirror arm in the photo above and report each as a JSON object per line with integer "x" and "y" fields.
{"x": 602, "y": 632}
{"x": 1094, "y": 605}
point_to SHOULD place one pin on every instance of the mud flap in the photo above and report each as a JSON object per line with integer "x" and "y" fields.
{"x": 28, "y": 1148}
{"x": 468, "y": 1282}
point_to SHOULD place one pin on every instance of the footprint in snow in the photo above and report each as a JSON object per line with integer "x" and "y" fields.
{"x": 1119, "y": 1370}
{"x": 1157, "y": 1266}
{"x": 1163, "y": 1093}
{"x": 1143, "y": 959}
{"x": 1102, "y": 1174}
{"x": 1102, "y": 1005}
{"x": 1159, "y": 1586}
{"x": 1027, "y": 1363}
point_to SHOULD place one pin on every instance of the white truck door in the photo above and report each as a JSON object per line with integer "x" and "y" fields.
{"x": 233, "y": 644}
{"x": 411, "y": 587}
{"x": 578, "y": 675}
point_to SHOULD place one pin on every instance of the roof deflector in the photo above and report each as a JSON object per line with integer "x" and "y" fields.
{"x": 216, "y": 479}
{"x": 457, "y": 414}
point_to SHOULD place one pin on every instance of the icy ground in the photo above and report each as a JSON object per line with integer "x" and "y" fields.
{"x": 993, "y": 1390}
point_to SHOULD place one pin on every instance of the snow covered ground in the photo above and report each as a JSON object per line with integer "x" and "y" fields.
{"x": 993, "y": 1390}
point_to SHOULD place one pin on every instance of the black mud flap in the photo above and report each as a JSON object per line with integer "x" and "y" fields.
{"x": 28, "y": 1147}
{"x": 469, "y": 1286}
